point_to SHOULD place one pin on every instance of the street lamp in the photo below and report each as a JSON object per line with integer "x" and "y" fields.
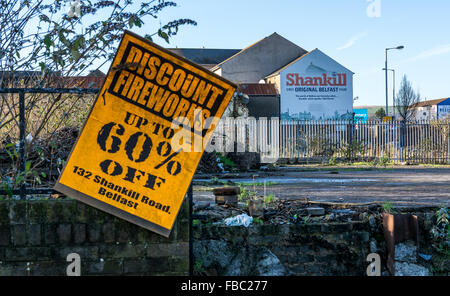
{"x": 386, "y": 67}
{"x": 393, "y": 88}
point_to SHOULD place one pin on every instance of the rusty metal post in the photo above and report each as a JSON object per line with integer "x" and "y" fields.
{"x": 399, "y": 228}
{"x": 448, "y": 149}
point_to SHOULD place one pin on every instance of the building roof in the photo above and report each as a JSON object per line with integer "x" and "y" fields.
{"x": 258, "y": 89}
{"x": 248, "y": 47}
{"x": 277, "y": 72}
{"x": 288, "y": 64}
{"x": 429, "y": 103}
{"x": 205, "y": 56}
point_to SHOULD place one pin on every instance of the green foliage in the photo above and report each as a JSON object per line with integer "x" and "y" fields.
{"x": 57, "y": 41}
{"x": 322, "y": 145}
{"x": 43, "y": 40}
{"x": 215, "y": 181}
{"x": 441, "y": 231}
{"x": 258, "y": 221}
{"x": 384, "y": 161}
{"x": 306, "y": 219}
{"x": 352, "y": 150}
{"x": 227, "y": 163}
{"x": 388, "y": 207}
{"x": 270, "y": 200}
{"x": 246, "y": 195}
{"x": 14, "y": 178}
{"x": 380, "y": 113}
{"x": 198, "y": 266}
{"x": 442, "y": 216}
{"x": 332, "y": 161}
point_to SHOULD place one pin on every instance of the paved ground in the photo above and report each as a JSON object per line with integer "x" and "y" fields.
{"x": 411, "y": 184}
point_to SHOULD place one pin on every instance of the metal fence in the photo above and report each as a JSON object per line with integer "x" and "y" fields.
{"x": 318, "y": 141}
{"x": 24, "y": 190}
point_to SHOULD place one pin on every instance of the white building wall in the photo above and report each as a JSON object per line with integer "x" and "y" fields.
{"x": 317, "y": 102}
{"x": 426, "y": 113}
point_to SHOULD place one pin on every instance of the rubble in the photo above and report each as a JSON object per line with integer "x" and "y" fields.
{"x": 313, "y": 211}
{"x": 282, "y": 212}
{"x": 410, "y": 269}
{"x": 406, "y": 260}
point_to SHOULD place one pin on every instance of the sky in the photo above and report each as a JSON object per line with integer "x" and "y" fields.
{"x": 353, "y": 32}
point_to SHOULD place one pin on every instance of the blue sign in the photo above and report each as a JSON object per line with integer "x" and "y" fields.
{"x": 361, "y": 115}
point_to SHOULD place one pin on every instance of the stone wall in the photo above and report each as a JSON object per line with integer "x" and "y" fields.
{"x": 328, "y": 249}
{"x": 316, "y": 249}
{"x": 36, "y": 237}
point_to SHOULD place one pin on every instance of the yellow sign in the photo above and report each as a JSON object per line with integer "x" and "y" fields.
{"x": 127, "y": 160}
{"x": 387, "y": 119}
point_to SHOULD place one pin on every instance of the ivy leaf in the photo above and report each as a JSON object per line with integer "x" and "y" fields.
{"x": 42, "y": 65}
{"x": 27, "y": 166}
{"x": 138, "y": 22}
{"x": 8, "y": 190}
{"x": 48, "y": 41}
{"x": 75, "y": 53}
{"x": 44, "y": 18}
{"x": 163, "y": 35}
{"x": 131, "y": 21}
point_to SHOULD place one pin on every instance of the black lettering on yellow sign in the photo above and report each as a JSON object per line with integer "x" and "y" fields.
{"x": 164, "y": 88}
{"x": 124, "y": 162}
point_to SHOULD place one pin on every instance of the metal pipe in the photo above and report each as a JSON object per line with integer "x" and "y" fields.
{"x": 22, "y": 130}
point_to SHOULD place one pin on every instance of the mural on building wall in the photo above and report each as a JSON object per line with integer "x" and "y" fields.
{"x": 316, "y": 87}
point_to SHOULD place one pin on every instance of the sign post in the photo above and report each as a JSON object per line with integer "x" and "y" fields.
{"x": 146, "y": 132}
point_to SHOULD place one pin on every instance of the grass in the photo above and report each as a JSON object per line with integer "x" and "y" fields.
{"x": 343, "y": 169}
{"x": 388, "y": 207}
{"x": 258, "y": 221}
{"x": 435, "y": 165}
{"x": 206, "y": 185}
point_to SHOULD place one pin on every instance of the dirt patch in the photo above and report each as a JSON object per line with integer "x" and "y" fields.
{"x": 405, "y": 185}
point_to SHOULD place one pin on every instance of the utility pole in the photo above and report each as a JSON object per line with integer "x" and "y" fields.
{"x": 386, "y": 71}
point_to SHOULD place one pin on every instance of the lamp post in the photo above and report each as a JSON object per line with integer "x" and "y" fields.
{"x": 393, "y": 89}
{"x": 386, "y": 67}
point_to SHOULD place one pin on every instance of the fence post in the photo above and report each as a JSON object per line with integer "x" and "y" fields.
{"x": 448, "y": 149}
{"x": 22, "y": 130}
{"x": 190, "y": 197}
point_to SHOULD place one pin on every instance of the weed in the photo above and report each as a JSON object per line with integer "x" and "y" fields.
{"x": 384, "y": 161}
{"x": 269, "y": 200}
{"x": 258, "y": 221}
{"x": 332, "y": 161}
{"x": 198, "y": 266}
{"x": 388, "y": 207}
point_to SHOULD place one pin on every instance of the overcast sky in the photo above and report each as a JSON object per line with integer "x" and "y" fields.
{"x": 353, "y": 32}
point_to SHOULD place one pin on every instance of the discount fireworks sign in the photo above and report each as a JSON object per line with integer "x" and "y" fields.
{"x": 130, "y": 159}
